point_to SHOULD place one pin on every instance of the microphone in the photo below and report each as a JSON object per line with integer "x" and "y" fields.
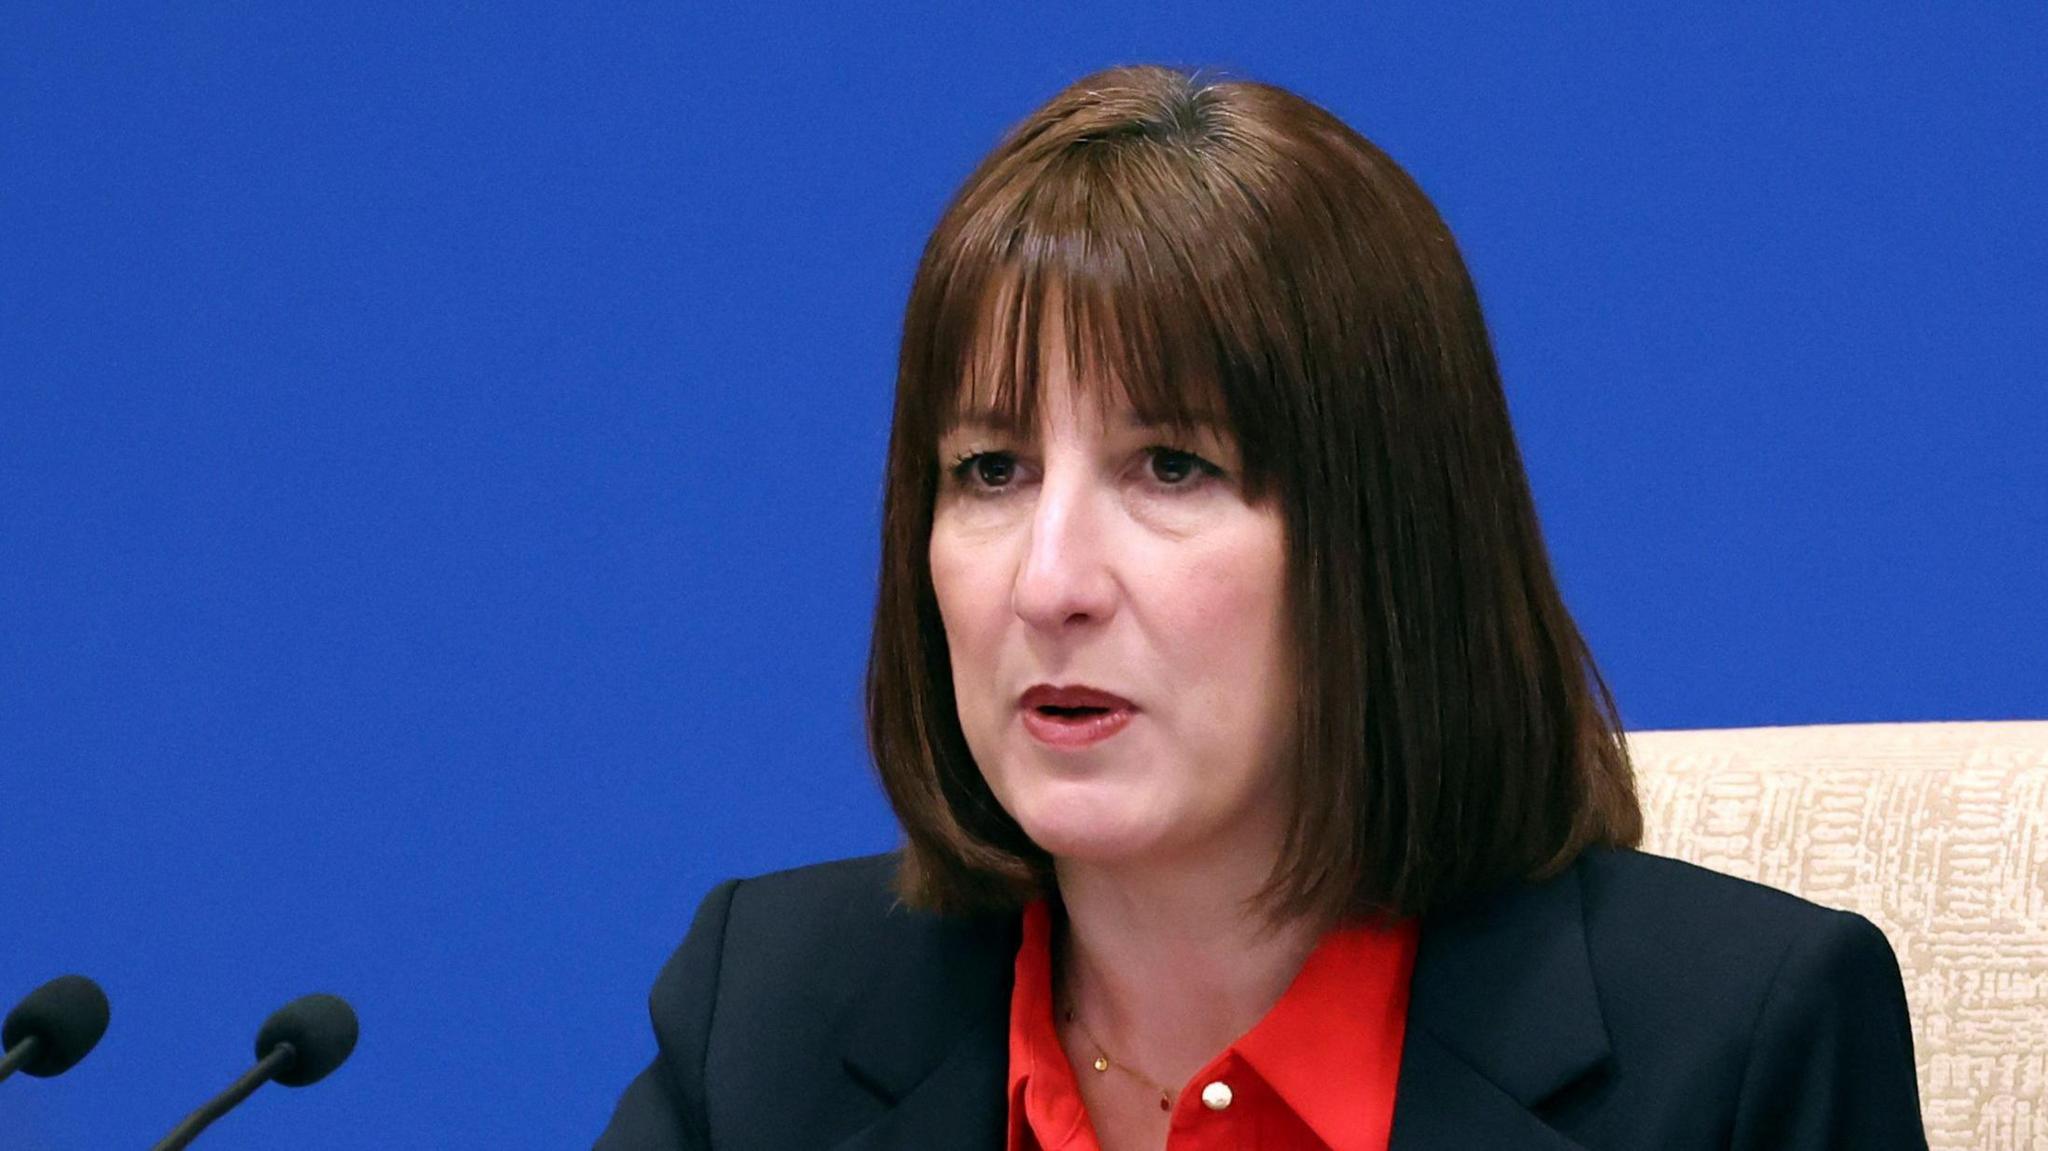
{"x": 53, "y": 1027}
{"x": 299, "y": 1045}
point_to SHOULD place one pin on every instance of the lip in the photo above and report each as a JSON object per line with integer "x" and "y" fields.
{"x": 1075, "y": 695}
{"x": 1079, "y": 732}
{"x": 1076, "y": 731}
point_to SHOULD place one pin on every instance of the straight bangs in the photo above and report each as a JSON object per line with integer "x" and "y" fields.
{"x": 1147, "y": 312}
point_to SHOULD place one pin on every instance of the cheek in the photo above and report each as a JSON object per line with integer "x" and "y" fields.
{"x": 970, "y": 600}
{"x": 1231, "y": 603}
{"x": 1230, "y": 615}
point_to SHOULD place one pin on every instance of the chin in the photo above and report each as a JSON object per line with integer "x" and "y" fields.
{"x": 1076, "y": 829}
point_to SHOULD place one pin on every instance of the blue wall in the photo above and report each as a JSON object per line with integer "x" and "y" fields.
{"x": 440, "y": 459}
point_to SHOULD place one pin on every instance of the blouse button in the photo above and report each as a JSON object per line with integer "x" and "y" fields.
{"x": 1216, "y": 1096}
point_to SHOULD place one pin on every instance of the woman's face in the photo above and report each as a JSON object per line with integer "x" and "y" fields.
{"x": 1087, "y": 556}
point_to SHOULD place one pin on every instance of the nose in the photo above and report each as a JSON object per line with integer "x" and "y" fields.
{"x": 1065, "y": 577}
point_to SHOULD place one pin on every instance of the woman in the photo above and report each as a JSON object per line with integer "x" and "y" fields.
{"x": 1257, "y": 787}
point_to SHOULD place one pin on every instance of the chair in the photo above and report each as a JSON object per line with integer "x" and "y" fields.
{"x": 1937, "y": 833}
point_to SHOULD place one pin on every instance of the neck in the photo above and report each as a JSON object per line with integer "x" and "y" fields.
{"x": 1165, "y": 964}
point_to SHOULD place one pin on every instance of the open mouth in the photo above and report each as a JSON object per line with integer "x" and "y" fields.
{"x": 1075, "y": 727}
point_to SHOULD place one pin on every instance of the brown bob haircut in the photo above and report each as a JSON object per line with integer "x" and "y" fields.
{"x": 1231, "y": 251}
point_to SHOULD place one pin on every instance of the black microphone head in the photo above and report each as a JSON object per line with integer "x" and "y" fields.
{"x": 67, "y": 1016}
{"x": 322, "y": 1032}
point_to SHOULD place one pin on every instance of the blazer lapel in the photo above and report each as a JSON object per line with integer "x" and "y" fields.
{"x": 959, "y": 1104}
{"x": 930, "y": 1041}
{"x": 1502, "y": 1015}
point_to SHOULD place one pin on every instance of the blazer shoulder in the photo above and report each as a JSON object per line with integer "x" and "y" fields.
{"x": 805, "y": 943}
{"x": 1684, "y": 904}
{"x": 775, "y": 954}
{"x": 785, "y": 918}
{"x": 784, "y": 976}
{"x": 835, "y": 895}
{"x": 1670, "y": 929}
{"x": 1747, "y": 990}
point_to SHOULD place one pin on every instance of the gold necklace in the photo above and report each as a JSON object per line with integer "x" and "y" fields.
{"x": 1102, "y": 1062}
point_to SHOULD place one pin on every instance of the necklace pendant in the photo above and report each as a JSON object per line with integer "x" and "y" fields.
{"x": 1101, "y": 1063}
{"x": 1164, "y": 1103}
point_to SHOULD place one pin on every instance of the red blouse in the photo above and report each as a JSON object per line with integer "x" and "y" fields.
{"x": 1317, "y": 1073}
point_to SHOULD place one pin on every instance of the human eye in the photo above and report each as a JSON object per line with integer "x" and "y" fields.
{"x": 983, "y": 474}
{"x": 1178, "y": 468}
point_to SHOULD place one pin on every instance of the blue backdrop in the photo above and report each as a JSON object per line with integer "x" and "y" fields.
{"x": 440, "y": 458}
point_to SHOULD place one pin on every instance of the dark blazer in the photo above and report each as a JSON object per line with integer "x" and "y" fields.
{"x": 1631, "y": 1002}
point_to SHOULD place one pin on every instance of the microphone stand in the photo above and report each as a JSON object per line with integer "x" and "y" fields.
{"x": 23, "y": 1052}
{"x": 280, "y": 1057}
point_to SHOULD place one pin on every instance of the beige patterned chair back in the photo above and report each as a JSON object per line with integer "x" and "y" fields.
{"x": 1937, "y": 833}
